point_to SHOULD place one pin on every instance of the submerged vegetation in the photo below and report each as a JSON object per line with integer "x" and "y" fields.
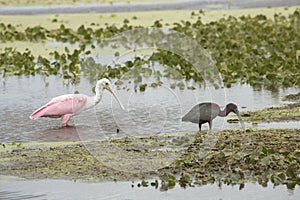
{"x": 238, "y": 157}
{"x": 255, "y": 50}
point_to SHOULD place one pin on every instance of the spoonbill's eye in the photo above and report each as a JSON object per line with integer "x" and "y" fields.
{"x": 106, "y": 84}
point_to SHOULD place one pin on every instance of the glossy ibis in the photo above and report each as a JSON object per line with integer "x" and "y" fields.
{"x": 206, "y": 112}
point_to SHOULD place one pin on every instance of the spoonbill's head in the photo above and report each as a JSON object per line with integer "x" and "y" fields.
{"x": 103, "y": 84}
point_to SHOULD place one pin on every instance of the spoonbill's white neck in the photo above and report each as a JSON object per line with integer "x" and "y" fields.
{"x": 98, "y": 95}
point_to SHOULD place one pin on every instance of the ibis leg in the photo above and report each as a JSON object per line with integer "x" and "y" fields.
{"x": 210, "y": 124}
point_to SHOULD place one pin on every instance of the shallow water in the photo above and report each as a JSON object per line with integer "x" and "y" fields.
{"x": 157, "y": 110}
{"x": 13, "y": 188}
{"x": 146, "y": 6}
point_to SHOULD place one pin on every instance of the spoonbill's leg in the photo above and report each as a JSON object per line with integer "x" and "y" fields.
{"x": 65, "y": 119}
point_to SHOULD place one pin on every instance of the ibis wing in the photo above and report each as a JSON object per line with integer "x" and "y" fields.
{"x": 203, "y": 111}
{"x": 193, "y": 115}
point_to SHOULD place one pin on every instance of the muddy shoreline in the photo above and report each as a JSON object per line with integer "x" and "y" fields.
{"x": 238, "y": 157}
{"x": 282, "y": 113}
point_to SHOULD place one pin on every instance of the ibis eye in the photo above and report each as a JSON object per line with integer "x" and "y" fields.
{"x": 106, "y": 84}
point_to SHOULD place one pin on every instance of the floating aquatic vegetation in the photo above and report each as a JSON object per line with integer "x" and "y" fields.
{"x": 251, "y": 50}
{"x": 13, "y": 62}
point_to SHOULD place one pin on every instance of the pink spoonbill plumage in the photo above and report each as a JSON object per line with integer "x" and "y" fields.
{"x": 65, "y": 106}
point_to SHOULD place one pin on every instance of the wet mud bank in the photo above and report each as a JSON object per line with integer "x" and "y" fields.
{"x": 231, "y": 157}
{"x": 282, "y": 113}
{"x": 289, "y": 112}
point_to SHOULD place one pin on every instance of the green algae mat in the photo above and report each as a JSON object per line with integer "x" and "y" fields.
{"x": 234, "y": 157}
{"x": 292, "y": 97}
{"x": 281, "y": 113}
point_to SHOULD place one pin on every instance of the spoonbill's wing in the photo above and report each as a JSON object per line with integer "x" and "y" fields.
{"x": 61, "y": 105}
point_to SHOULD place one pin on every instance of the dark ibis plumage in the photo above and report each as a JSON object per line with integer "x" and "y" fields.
{"x": 206, "y": 112}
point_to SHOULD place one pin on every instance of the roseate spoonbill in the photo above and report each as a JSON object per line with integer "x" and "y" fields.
{"x": 206, "y": 112}
{"x": 65, "y": 106}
